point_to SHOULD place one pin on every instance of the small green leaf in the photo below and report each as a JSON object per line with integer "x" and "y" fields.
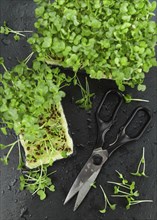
{"x": 64, "y": 154}
{"x": 124, "y": 61}
{"x": 4, "y": 160}
{"x": 17, "y": 37}
{"x": 21, "y": 164}
{"x": 113, "y": 206}
{"x": 1, "y": 60}
{"x": 4, "y": 130}
{"x": 116, "y": 189}
{"x": 39, "y": 11}
{"x": 41, "y": 194}
{"x": 52, "y": 188}
{"x": 2, "y": 30}
{"x": 2, "y": 146}
{"x": 47, "y": 42}
{"x": 13, "y": 113}
{"x": 141, "y": 87}
{"x": 36, "y": 65}
{"x": 102, "y": 211}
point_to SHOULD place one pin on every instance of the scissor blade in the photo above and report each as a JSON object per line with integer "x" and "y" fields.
{"x": 83, "y": 176}
{"x": 86, "y": 173}
{"x": 74, "y": 189}
{"x": 85, "y": 189}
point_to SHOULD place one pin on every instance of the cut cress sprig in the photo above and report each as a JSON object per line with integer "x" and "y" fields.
{"x": 141, "y": 165}
{"x": 107, "y": 202}
{"x": 17, "y": 34}
{"x": 128, "y": 98}
{"x": 127, "y": 190}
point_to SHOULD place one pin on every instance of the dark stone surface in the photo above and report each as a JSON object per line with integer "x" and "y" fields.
{"x": 16, "y": 205}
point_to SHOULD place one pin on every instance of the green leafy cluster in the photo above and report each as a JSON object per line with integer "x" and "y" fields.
{"x": 107, "y": 38}
{"x": 29, "y": 102}
{"x": 127, "y": 190}
{"x": 27, "y": 95}
{"x": 37, "y": 181}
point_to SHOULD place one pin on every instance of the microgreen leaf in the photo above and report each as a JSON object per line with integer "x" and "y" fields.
{"x": 1, "y": 60}
{"x": 4, "y": 130}
{"x": 41, "y": 194}
{"x": 4, "y": 160}
{"x": 102, "y": 211}
{"x": 64, "y": 154}
{"x": 52, "y": 188}
{"x": 17, "y": 37}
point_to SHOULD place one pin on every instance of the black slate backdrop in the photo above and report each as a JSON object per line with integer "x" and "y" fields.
{"x": 16, "y": 205}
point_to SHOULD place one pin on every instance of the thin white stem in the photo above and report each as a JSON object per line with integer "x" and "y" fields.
{"x": 24, "y": 31}
{"x": 139, "y": 201}
{"x": 4, "y": 67}
{"x": 143, "y": 157}
{"x": 139, "y": 100}
{"x": 119, "y": 196}
{"x": 105, "y": 197}
{"x": 11, "y": 148}
{"x": 28, "y": 58}
{"x": 14, "y": 32}
{"x": 119, "y": 184}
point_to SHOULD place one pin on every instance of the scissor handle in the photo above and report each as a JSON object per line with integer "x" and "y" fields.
{"x": 105, "y": 125}
{"x": 123, "y": 137}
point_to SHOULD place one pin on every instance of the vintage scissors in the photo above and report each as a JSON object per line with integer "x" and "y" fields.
{"x": 99, "y": 156}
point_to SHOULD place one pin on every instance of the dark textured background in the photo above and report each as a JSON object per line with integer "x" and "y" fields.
{"x": 16, "y": 205}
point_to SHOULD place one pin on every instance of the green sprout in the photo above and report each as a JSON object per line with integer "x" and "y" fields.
{"x": 126, "y": 190}
{"x": 17, "y": 34}
{"x": 135, "y": 202}
{"x": 5, "y": 159}
{"x": 128, "y": 98}
{"x": 85, "y": 101}
{"x": 107, "y": 202}
{"x": 37, "y": 181}
{"x": 141, "y": 164}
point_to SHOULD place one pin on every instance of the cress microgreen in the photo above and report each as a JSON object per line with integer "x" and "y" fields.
{"x": 7, "y": 30}
{"x": 37, "y": 181}
{"x": 107, "y": 202}
{"x": 108, "y": 39}
{"x": 5, "y": 158}
{"x": 131, "y": 202}
{"x": 141, "y": 166}
{"x": 128, "y": 98}
{"x": 85, "y": 101}
{"x": 126, "y": 190}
